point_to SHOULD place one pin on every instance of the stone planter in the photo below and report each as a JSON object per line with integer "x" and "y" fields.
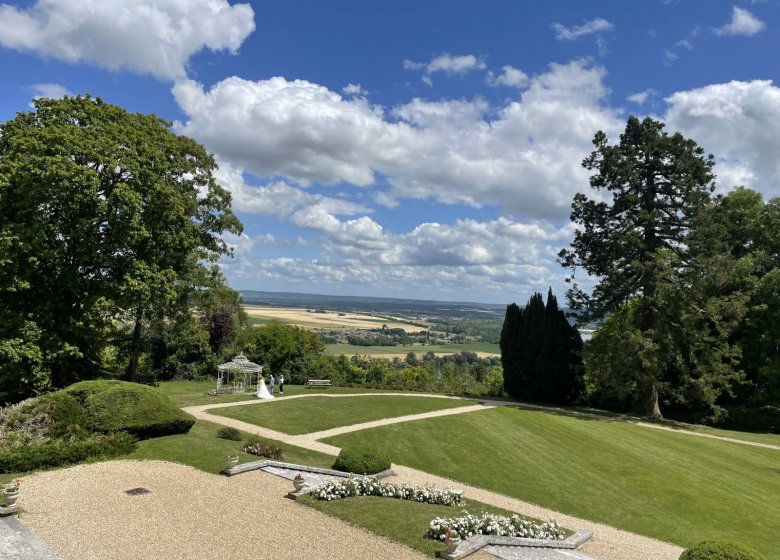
{"x": 299, "y": 483}
{"x": 10, "y": 498}
{"x": 232, "y": 460}
{"x": 452, "y": 543}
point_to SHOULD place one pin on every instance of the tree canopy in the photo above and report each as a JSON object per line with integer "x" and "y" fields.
{"x": 107, "y": 221}
{"x": 643, "y": 241}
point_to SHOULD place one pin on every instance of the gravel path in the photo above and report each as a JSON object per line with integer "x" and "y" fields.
{"x": 84, "y": 514}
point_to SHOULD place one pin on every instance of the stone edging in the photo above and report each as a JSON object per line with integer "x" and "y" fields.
{"x": 473, "y": 544}
{"x": 255, "y": 465}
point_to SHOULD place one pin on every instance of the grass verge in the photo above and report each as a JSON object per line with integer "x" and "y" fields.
{"x": 303, "y": 416}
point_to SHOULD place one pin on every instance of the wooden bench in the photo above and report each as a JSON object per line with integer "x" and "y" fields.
{"x": 318, "y": 383}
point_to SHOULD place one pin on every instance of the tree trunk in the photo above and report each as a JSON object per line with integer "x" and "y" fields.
{"x": 648, "y": 400}
{"x": 135, "y": 348}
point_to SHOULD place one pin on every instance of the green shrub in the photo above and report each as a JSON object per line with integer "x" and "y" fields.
{"x": 361, "y": 460}
{"x": 112, "y": 406}
{"x": 263, "y": 449}
{"x": 720, "y": 550}
{"x": 60, "y": 452}
{"x": 229, "y": 433}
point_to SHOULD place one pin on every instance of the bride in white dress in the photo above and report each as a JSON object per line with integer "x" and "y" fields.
{"x": 262, "y": 390}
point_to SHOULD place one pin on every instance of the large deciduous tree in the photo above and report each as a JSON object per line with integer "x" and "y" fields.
{"x": 105, "y": 219}
{"x": 638, "y": 241}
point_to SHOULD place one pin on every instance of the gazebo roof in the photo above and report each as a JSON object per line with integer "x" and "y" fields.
{"x": 241, "y": 363}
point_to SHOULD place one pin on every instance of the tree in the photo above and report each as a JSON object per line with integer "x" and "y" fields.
{"x": 638, "y": 247}
{"x": 105, "y": 216}
{"x": 540, "y": 353}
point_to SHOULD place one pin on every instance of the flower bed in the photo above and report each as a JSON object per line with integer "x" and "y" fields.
{"x": 369, "y": 486}
{"x": 492, "y": 524}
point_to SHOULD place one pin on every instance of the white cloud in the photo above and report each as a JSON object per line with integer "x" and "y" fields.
{"x": 353, "y": 89}
{"x": 739, "y": 122}
{"x": 149, "y": 37}
{"x": 641, "y": 97}
{"x": 446, "y": 63}
{"x": 742, "y": 23}
{"x": 52, "y": 91}
{"x": 524, "y": 156}
{"x": 570, "y": 33}
{"x": 510, "y": 77}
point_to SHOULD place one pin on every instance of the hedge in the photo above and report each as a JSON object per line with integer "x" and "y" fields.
{"x": 113, "y": 406}
{"x": 59, "y": 452}
{"x": 720, "y": 550}
{"x": 361, "y": 460}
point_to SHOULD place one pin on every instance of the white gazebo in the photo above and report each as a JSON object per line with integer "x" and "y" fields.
{"x": 235, "y": 376}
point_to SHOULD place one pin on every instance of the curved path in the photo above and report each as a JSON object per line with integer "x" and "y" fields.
{"x": 608, "y": 542}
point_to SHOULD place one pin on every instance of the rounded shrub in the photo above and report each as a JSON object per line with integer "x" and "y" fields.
{"x": 721, "y": 550}
{"x": 361, "y": 460}
{"x": 121, "y": 406}
{"x": 229, "y": 433}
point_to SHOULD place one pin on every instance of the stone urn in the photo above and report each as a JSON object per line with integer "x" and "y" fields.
{"x": 299, "y": 483}
{"x": 10, "y": 498}
{"x": 452, "y": 543}
{"x": 232, "y": 460}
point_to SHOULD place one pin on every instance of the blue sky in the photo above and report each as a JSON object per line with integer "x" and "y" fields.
{"x": 411, "y": 149}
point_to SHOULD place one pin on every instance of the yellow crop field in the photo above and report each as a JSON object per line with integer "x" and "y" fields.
{"x": 329, "y": 319}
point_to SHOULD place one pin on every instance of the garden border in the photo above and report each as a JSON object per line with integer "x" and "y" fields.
{"x": 473, "y": 544}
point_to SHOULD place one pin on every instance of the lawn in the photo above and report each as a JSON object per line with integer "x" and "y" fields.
{"x": 303, "y": 416}
{"x": 191, "y": 393}
{"x": 673, "y": 487}
{"x": 399, "y": 520}
{"x": 202, "y": 449}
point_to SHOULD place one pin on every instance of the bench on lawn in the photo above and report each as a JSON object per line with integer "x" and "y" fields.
{"x": 318, "y": 383}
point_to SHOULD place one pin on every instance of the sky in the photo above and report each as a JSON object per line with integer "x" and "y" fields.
{"x": 426, "y": 150}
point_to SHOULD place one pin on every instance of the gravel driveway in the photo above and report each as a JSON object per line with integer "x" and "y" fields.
{"x": 84, "y": 514}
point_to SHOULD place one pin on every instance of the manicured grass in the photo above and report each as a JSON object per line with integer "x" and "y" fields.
{"x": 398, "y": 520}
{"x": 202, "y": 449}
{"x": 673, "y": 487}
{"x": 771, "y": 439}
{"x": 303, "y": 416}
{"x": 190, "y": 393}
{"x": 352, "y": 350}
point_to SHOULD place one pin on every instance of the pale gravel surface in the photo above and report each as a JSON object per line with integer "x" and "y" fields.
{"x": 84, "y": 514}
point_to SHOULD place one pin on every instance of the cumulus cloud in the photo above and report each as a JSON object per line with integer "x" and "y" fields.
{"x": 52, "y": 91}
{"x": 563, "y": 33}
{"x": 448, "y": 64}
{"x": 353, "y": 89}
{"x": 742, "y": 23}
{"x": 641, "y": 97}
{"x": 737, "y": 121}
{"x": 523, "y": 156}
{"x": 149, "y": 37}
{"x": 510, "y": 77}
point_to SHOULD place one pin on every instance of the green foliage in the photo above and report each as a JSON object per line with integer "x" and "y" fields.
{"x": 58, "y": 452}
{"x": 654, "y": 243}
{"x": 361, "y": 460}
{"x": 106, "y": 219}
{"x": 112, "y": 406}
{"x": 720, "y": 550}
{"x": 269, "y": 450}
{"x": 540, "y": 352}
{"x": 229, "y": 433}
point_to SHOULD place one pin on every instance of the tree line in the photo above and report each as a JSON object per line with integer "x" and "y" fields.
{"x": 685, "y": 284}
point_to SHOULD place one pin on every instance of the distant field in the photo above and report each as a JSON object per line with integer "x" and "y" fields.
{"x": 482, "y": 349}
{"x": 327, "y": 320}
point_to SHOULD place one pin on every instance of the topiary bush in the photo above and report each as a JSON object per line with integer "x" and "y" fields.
{"x": 720, "y": 550}
{"x": 58, "y": 452}
{"x": 361, "y": 460}
{"x": 229, "y": 433}
{"x": 114, "y": 406}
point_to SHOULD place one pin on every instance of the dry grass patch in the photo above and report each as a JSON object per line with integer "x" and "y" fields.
{"x": 329, "y": 319}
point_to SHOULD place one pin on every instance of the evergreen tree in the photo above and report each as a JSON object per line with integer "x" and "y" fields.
{"x": 540, "y": 353}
